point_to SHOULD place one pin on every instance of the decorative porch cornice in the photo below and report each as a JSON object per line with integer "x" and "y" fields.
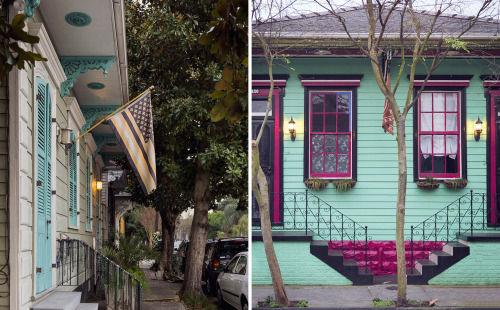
{"x": 100, "y": 140}
{"x": 75, "y": 66}
{"x": 92, "y": 112}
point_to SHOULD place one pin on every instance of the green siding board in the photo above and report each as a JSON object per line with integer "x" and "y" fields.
{"x": 372, "y": 202}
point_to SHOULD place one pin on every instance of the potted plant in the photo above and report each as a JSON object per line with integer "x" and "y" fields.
{"x": 316, "y": 184}
{"x": 343, "y": 184}
{"x": 455, "y": 183}
{"x": 428, "y": 183}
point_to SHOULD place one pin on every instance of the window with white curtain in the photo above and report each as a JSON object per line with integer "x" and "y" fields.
{"x": 439, "y": 134}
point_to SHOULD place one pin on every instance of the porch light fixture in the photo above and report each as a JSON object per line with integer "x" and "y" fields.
{"x": 291, "y": 128}
{"x": 99, "y": 185}
{"x": 66, "y": 138}
{"x": 478, "y": 128}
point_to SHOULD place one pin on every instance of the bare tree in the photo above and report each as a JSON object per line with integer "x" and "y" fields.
{"x": 417, "y": 32}
{"x": 147, "y": 218}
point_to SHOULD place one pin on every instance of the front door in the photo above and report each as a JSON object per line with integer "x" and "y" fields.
{"x": 494, "y": 195}
{"x": 43, "y": 187}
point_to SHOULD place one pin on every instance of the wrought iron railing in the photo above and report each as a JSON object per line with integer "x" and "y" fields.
{"x": 308, "y": 212}
{"x": 93, "y": 274}
{"x": 467, "y": 214}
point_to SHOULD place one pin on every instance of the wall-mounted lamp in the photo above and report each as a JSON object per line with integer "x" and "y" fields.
{"x": 99, "y": 185}
{"x": 478, "y": 128}
{"x": 66, "y": 137}
{"x": 291, "y": 128}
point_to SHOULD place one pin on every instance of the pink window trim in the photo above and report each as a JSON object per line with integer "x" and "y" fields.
{"x": 276, "y": 177}
{"x": 324, "y": 133}
{"x": 493, "y": 162}
{"x": 491, "y": 83}
{"x": 331, "y": 83}
{"x": 280, "y": 83}
{"x": 445, "y": 133}
{"x": 442, "y": 83}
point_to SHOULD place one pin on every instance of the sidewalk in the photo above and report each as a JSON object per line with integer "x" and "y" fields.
{"x": 360, "y": 297}
{"x": 162, "y": 294}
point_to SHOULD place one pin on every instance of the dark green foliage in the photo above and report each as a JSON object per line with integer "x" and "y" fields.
{"x": 132, "y": 225}
{"x": 198, "y": 303}
{"x": 11, "y": 54}
{"x": 227, "y": 35}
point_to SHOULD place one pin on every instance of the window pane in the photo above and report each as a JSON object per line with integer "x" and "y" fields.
{"x": 426, "y": 102}
{"x": 451, "y": 102}
{"x": 438, "y": 102}
{"x": 343, "y": 143}
{"x": 451, "y": 144}
{"x": 438, "y": 121}
{"x": 317, "y": 120}
{"x": 425, "y": 163}
{"x": 317, "y": 143}
{"x": 330, "y": 103}
{"x": 317, "y": 163}
{"x": 343, "y": 102}
{"x": 330, "y": 122}
{"x": 426, "y": 122}
{"x": 330, "y": 163}
{"x": 330, "y": 144}
{"x": 426, "y": 144}
{"x": 318, "y": 103}
{"x": 343, "y": 125}
{"x": 438, "y": 144}
{"x": 451, "y": 164}
{"x": 343, "y": 164}
{"x": 451, "y": 122}
{"x": 260, "y": 106}
{"x": 438, "y": 164}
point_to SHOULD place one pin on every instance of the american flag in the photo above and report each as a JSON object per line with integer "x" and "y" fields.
{"x": 133, "y": 127}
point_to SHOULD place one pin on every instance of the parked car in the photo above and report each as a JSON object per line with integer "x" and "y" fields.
{"x": 232, "y": 283}
{"x": 176, "y": 246}
{"x": 217, "y": 256}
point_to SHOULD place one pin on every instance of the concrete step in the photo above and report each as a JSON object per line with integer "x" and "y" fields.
{"x": 59, "y": 301}
{"x": 87, "y": 307}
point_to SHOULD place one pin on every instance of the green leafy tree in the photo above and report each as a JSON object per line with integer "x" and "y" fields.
{"x": 214, "y": 224}
{"x": 11, "y": 53}
{"x": 204, "y": 161}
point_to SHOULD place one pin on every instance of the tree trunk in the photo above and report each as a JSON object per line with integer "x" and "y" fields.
{"x": 400, "y": 212}
{"x": 198, "y": 234}
{"x": 261, "y": 194}
{"x": 168, "y": 219}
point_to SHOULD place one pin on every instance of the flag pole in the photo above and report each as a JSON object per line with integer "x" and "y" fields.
{"x": 120, "y": 108}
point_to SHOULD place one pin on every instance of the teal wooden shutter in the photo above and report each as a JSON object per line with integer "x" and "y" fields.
{"x": 89, "y": 196}
{"x": 73, "y": 184}
{"x": 43, "y": 177}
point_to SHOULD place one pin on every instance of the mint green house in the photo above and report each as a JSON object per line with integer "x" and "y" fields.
{"x": 53, "y": 210}
{"x": 325, "y": 129}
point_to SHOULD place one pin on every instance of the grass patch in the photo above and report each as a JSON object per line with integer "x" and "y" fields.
{"x": 383, "y": 303}
{"x": 194, "y": 302}
{"x": 270, "y": 303}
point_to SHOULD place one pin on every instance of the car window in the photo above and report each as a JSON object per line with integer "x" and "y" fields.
{"x": 241, "y": 266}
{"x": 230, "y": 266}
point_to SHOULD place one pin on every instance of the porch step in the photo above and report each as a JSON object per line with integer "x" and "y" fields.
{"x": 59, "y": 301}
{"x": 64, "y": 301}
{"x": 347, "y": 267}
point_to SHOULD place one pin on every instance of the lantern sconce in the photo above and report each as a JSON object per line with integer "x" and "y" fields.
{"x": 99, "y": 185}
{"x": 65, "y": 135}
{"x": 291, "y": 128}
{"x": 478, "y": 128}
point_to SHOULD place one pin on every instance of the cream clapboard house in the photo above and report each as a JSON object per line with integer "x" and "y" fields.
{"x": 47, "y": 189}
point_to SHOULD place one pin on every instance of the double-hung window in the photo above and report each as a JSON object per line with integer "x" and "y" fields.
{"x": 330, "y": 134}
{"x": 440, "y": 134}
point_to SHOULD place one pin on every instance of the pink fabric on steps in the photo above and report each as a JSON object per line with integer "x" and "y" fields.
{"x": 382, "y": 256}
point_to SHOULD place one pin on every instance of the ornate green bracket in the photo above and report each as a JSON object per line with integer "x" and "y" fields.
{"x": 90, "y": 113}
{"x": 76, "y": 66}
{"x": 100, "y": 140}
{"x": 30, "y": 6}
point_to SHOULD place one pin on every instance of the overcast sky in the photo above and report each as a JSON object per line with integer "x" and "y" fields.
{"x": 462, "y": 7}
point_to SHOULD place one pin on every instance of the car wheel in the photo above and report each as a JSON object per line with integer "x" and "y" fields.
{"x": 220, "y": 299}
{"x": 244, "y": 304}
